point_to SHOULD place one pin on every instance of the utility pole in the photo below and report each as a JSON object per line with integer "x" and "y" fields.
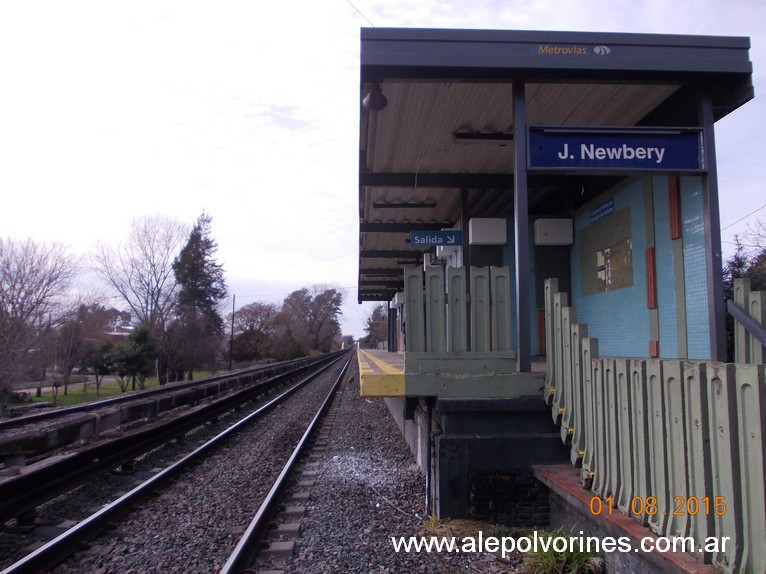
{"x": 231, "y": 335}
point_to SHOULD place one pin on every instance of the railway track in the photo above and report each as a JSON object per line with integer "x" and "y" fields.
{"x": 36, "y": 483}
{"x": 242, "y": 476}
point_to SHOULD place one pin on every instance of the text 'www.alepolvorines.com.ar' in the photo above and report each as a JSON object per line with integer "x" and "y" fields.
{"x": 507, "y": 545}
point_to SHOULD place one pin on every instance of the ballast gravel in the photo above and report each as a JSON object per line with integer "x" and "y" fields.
{"x": 368, "y": 489}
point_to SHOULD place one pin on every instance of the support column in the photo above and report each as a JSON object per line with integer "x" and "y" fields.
{"x": 465, "y": 217}
{"x": 392, "y": 346}
{"x": 713, "y": 258}
{"x": 521, "y": 224}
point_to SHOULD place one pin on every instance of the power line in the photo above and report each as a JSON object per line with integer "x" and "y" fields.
{"x": 742, "y": 244}
{"x": 360, "y": 13}
{"x": 741, "y": 218}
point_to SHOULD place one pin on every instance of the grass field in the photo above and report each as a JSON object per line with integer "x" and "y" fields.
{"x": 83, "y": 390}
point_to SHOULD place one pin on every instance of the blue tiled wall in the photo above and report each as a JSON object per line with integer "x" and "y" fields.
{"x": 619, "y": 318}
{"x": 697, "y": 317}
{"x": 666, "y": 293}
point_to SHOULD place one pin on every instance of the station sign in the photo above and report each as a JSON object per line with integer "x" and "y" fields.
{"x": 452, "y": 237}
{"x": 677, "y": 149}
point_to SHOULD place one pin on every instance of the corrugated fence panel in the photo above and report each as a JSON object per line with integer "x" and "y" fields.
{"x": 751, "y": 406}
{"x": 699, "y": 478}
{"x": 592, "y": 416}
{"x": 551, "y": 288}
{"x": 560, "y": 301}
{"x": 568, "y": 318}
{"x": 656, "y": 454}
{"x": 628, "y": 425}
{"x": 757, "y": 310}
{"x": 639, "y": 451}
{"x": 457, "y": 334}
{"x": 615, "y": 483}
{"x": 741, "y": 296}
{"x": 413, "y": 308}
{"x": 436, "y": 310}
{"x": 675, "y": 444}
{"x": 724, "y": 462}
{"x": 480, "y": 305}
{"x": 500, "y": 278}
{"x": 600, "y": 464}
{"x": 678, "y": 445}
{"x": 577, "y": 334}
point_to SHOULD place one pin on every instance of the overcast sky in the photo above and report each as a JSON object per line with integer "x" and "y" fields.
{"x": 248, "y": 110}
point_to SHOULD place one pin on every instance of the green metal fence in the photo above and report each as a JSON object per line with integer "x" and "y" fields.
{"x": 749, "y": 311}
{"x": 441, "y": 316}
{"x": 678, "y": 445}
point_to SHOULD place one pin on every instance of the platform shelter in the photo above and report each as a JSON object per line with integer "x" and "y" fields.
{"x": 491, "y": 161}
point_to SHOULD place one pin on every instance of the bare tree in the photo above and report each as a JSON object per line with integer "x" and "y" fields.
{"x": 141, "y": 270}
{"x": 756, "y": 234}
{"x": 34, "y": 279}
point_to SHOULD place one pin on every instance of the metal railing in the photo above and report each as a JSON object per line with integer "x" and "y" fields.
{"x": 749, "y": 311}
{"x": 678, "y": 445}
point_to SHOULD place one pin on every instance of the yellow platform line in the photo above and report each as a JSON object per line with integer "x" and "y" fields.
{"x": 383, "y": 366}
{"x": 388, "y": 383}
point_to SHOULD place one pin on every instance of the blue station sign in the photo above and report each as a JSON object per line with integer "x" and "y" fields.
{"x": 677, "y": 149}
{"x": 452, "y": 237}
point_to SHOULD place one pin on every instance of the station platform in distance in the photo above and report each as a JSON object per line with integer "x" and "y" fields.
{"x": 381, "y": 373}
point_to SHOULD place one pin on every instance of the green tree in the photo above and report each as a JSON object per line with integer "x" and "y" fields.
{"x": 135, "y": 358}
{"x": 377, "y": 326}
{"x": 309, "y": 321}
{"x": 255, "y": 326}
{"x": 98, "y": 359}
{"x": 324, "y": 319}
{"x": 74, "y": 339}
{"x": 197, "y": 329}
{"x": 744, "y": 263}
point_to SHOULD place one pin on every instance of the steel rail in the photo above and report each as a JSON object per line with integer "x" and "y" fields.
{"x": 19, "y": 493}
{"x": 245, "y": 550}
{"x": 67, "y": 543}
{"x": 38, "y": 485}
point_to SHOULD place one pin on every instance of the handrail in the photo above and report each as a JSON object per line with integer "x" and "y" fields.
{"x": 753, "y": 327}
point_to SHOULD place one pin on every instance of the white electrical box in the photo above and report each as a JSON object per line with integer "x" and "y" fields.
{"x": 398, "y": 300}
{"x": 553, "y": 232}
{"x": 445, "y": 250}
{"x": 487, "y": 231}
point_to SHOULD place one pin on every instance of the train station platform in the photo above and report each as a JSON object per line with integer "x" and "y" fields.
{"x": 381, "y": 373}
{"x": 446, "y": 375}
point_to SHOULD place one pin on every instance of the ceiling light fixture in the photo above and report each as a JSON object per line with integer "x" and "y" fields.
{"x": 375, "y": 100}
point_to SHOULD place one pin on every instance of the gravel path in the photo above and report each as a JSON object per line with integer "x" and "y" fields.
{"x": 368, "y": 489}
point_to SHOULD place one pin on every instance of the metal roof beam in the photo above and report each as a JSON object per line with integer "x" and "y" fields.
{"x": 382, "y": 271}
{"x": 365, "y": 227}
{"x": 395, "y": 285}
{"x": 376, "y": 254}
{"x": 421, "y": 180}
